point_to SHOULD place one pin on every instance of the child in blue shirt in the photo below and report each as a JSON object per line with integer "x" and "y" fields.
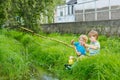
{"x": 79, "y": 46}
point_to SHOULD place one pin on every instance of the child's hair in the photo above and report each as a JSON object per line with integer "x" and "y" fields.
{"x": 93, "y": 33}
{"x": 84, "y": 37}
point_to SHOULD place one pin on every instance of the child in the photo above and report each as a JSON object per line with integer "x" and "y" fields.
{"x": 94, "y": 47}
{"x": 70, "y": 62}
{"x": 79, "y": 46}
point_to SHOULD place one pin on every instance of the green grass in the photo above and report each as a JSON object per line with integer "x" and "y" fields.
{"x": 23, "y": 55}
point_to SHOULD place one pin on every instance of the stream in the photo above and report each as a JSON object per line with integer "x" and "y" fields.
{"x": 49, "y": 77}
{"x": 45, "y": 75}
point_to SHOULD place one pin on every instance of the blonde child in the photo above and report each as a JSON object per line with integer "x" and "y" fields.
{"x": 80, "y": 45}
{"x": 80, "y": 50}
{"x": 94, "y": 46}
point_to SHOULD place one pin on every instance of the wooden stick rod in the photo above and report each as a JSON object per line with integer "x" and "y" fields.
{"x": 47, "y": 37}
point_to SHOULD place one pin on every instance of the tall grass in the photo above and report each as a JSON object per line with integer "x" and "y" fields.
{"x": 23, "y": 55}
{"x": 12, "y": 61}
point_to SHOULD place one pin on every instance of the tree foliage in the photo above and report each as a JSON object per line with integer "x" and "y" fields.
{"x": 29, "y": 13}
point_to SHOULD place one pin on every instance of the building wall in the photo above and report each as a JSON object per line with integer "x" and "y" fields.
{"x": 106, "y": 27}
{"x": 62, "y": 15}
{"x": 115, "y": 14}
{"x": 89, "y": 10}
{"x": 102, "y": 14}
{"x": 90, "y": 4}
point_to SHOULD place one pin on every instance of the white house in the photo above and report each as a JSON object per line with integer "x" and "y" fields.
{"x": 86, "y": 10}
{"x": 65, "y": 13}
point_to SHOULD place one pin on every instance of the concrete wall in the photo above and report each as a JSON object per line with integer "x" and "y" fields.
{"x": 106, "y": 27}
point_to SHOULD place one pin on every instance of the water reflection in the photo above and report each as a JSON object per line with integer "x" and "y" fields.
{"x": 44, "y": 75}
{"x": 49, "y": 77}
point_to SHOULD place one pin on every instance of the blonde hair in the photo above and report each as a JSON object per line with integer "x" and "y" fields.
{"x": 93, "y": 33}
{"x": 84, "y": 37}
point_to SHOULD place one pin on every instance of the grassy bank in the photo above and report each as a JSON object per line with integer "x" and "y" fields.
{"x": 23, "y": 55}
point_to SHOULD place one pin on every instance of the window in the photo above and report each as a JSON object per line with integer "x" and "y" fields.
{"x": 68, "y": 9}
{"x": 72, "y": 10}
{"x": 61, "y": 13}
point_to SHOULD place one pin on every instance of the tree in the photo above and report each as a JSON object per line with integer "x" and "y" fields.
{"x": 27, "y": 12}
{"x": 2, "y": 14}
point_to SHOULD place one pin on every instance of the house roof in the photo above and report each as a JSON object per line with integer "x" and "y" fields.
{"x": 72, "y": 2}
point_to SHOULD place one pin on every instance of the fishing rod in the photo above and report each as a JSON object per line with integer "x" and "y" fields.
{"x": 31, "y": 31}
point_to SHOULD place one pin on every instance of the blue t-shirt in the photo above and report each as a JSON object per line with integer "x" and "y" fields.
{"x": 80, "y": 48}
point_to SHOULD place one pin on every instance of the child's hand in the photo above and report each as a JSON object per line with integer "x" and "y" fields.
{"x": 86, "y": 45}
{"x": 78, "y": 53}
{"x": 72, "y": 41}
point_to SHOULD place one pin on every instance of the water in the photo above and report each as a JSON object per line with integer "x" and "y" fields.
{"x": 45, "y": 75}
{"x": 49, "y": 77}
